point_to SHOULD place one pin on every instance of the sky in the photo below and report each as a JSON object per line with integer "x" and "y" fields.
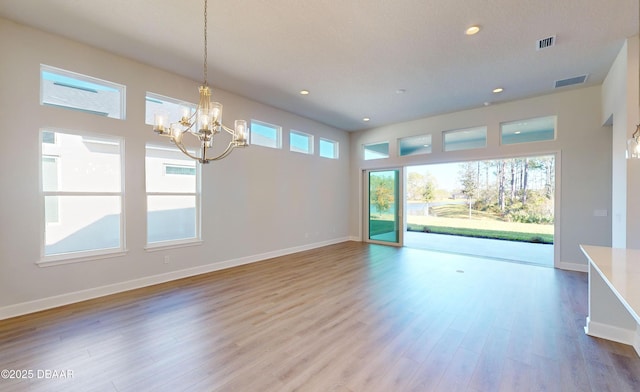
{"x": 446, "y": 174}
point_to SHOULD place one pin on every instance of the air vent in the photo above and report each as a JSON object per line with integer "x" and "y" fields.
{"x": 571, "y": 81}
{"x": 546, "y": 42}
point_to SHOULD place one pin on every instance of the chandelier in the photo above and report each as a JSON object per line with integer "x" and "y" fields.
{"x": 204, "y": 123}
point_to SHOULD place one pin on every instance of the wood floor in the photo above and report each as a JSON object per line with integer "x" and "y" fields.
{"x": 347, "y": 317}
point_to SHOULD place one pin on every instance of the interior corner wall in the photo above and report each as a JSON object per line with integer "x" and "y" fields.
{"x": 257, "y": 203}
{"x": 620, "y": 102}
{"x": 582, "y": 145}
{"x": 633, "y": 119}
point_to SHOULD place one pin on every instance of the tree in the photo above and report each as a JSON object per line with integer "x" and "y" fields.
{"x": 469, "y": 180}
{"x": 415, "y": 186}
{"x": 500, "y": 175}
{"x": 429, "y": 192}
{"x": 382, "y": 194}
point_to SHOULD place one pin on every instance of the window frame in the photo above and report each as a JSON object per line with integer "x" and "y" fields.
{"x": 310, "y": 142}
{"x": 484, "y": 128}
{"x": 197, "y": 194}
{"x": 504, "y": 124}
{"x": 364, "y": 150}
{"x": 335, "y": 148}
{"x": 83, "y": 255}
{"x": 423, "y": 150}
{"x": 89, "y": 81}
{"x": 277, "y": 128}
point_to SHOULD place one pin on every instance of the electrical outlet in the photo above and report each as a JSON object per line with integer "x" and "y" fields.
{"x": 167, "y": 259}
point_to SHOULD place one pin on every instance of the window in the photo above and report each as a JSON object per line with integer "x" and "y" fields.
{"x": 70, "y": 90}
{"x": 465, "y": 139}
{"x": 81, "y": 183}
{"x": 173, "y": 109}
{"x": 328, "y": 148}
{"x": 50, "y": 181}
{"x": 532, "y": 130}
{"x": 180, "y": 170}
{"x": 267, "y": 135}
{"x": 414, "y": 145}
{"x": 376, "y": 151}
{"x": 300, "y": 142}
{"x": 48, "y": 137}
{"x": 173, "y": 197}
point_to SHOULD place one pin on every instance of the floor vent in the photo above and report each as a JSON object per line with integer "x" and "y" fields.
{"x": 546, "y": 42}
{"x": 571, "y": 81}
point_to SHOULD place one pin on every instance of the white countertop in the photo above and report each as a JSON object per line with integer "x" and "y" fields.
{"x": 620, "y": 269}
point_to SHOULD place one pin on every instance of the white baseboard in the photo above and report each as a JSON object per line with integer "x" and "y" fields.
{"x": 616, "y": 334}
{"x": 83, "y": 295}
{"x": 578, "y": 267}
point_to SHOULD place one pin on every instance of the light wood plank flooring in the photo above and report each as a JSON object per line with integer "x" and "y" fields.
{"x": 347, "y": 317}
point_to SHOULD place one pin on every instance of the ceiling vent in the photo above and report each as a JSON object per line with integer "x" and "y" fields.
{"x": 571, "y": 81}
{"x": 545, "y": 43}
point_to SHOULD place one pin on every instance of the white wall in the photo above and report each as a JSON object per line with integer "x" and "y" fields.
{"x": 258, "y": 202}
{"x": 614, "y": 114}
{"x": 583, "y": 161}
{"x": 620, "y": 110}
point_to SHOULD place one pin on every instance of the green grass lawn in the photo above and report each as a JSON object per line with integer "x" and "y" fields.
{"x": 455, "y": 220}
{"x": 480, "y": 233}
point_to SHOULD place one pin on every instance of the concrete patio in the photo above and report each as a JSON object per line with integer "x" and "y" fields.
{"x": 524, "y": 252}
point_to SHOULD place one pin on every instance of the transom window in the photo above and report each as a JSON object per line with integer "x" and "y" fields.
{"x": 414, "y": 145}
{"x": 300, "y": 142}
{"x": 267, "y": 135}
{"x": 465, "y": 139}
{"x": 376, "y": 150}
{"x": 531, "y": 130}
{"x": 70, "y": 90}
{"x": 328, "y": 148}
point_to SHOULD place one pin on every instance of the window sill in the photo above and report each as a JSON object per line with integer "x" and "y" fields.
{"x": 66, "y": 259}
{"x": 171, "y": 245}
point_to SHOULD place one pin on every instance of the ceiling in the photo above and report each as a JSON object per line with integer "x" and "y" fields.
{"x": 388, "y": 60}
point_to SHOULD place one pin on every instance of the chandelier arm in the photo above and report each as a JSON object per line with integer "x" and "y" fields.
{"x": 192, "y": 118}
{"x": 190, "y": 127}
{"x": 229, "y": 130}
{"x": 224, "y": 154}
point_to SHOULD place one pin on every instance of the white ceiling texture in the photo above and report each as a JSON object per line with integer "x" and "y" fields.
{"x": 390, "y": 61}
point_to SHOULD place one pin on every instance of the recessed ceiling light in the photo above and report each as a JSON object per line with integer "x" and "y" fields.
{"x": 517, "y": 132}
{"x": 304, "y": 92}
{"x": 498, "y": 90}
{"x": 401, "y": 91}
{"x": 472, "y": 30}
{"x": 366, "y": 119}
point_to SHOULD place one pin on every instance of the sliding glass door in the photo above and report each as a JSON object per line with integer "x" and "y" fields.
{"x": 383, "y": 206}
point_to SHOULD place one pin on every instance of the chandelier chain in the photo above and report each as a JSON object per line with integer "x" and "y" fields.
{"x": 205, "y": 43}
